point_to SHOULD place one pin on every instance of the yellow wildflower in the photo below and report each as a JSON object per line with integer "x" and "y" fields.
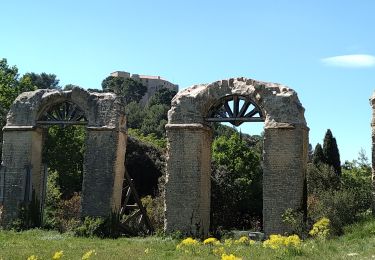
{"x": 147, "y": 250}
{"x": 242, "y": 240}
{"x": 229, "y": 257}
{"x": 218, "y": 251}
{"x": 278, "y": 241}
{"x": 320, "y": 228}
{"x": 211, "y": 241}
{"x": 88, "y": 254}
{"x": 57, "y": 255}
{"x": 187, "y": 242}
{"x": 228, "y": 242}
{"x": 32, "y": 257}
{"x": 293, "y": 241}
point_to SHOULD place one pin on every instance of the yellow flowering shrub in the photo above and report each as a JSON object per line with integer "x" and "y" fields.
{"x": 218, "y": 251}
{"x": 88, "y": 254}
{"x": 228, "y": 242}
{"x": 229, "y": 257}
{"x": 211, "y": 241}
{"x": 320, "y": 228}
{"x": 188, "y": 242}
{"x": 57, "y": 255}
{"x": 279, "y": 241}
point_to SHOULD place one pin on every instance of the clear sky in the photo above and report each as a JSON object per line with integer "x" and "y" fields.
{"x": 325, "y": 50}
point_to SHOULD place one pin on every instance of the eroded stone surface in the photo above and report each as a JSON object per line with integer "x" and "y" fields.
{"x": 187, "y": 197}
{"x": 279, "y": 104}
{"x": 103, "y": 167}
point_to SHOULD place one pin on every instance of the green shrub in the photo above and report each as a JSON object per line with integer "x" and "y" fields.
{"x": 155, "y": 211}
{"x": 90, "y": 227}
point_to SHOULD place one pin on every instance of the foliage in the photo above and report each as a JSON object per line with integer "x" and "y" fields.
{"x": 318, "y": 156}
{"x": 155, "y": 211}
{"x": 236, "y": 196}
{"x": 42, "y": 81}
{"x": 130, "y": 89}
{"x": 162, "y": 97}
{"x": 320, "y": 228}
{"x": 108, "y": 227}
{"x": 63, "y": 152}
{"x": 295, "y": 219}
{"x": 342, "y": 199}
{"x": 90, "y": 227}
{"x": 321, "y": 177}
{"x": 331, "y": 152}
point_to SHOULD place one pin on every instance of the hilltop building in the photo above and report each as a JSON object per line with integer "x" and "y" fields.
{"x": 153, "y": 83}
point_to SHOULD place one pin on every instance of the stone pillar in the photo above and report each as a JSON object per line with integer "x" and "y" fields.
{"x": 103, "y": 171}
{"x": 22, "y": 146}
{"x": 188, "y": 183}
{"x": 284, "y": 172}
{"x": 372, "y": 103}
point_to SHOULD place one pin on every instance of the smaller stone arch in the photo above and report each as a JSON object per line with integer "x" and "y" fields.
{"x": 189, "y": 134}
{"x": 103, "y": 169}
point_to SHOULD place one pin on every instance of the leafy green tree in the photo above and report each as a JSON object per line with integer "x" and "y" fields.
{"x": 331, "y": 152}
{"x": 162, "y": 97}
{"x": 63, "y": 153}
{"x": 236, "y": 183}
{"x": 43, "y": 80}
{"x": 155, "y": 120}
{"x": 134, "y": 115}
{"x": 318, "y": 156}
{"x": 130, "y": 89}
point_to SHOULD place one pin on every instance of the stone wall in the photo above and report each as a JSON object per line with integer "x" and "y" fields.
{"x": 189, "y": 156}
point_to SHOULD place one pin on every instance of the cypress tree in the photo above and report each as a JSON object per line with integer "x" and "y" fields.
{"x": 318, "y": 156}
{"x": 331, "y": 152}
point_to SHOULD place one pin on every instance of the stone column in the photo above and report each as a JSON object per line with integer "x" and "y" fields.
{"x": 284, "y": 172}
{"x": 188, "y": 184}
{"x": 372, "y": 103}
{"x": 22, "y": 146}
{"x": 103, "y": 171}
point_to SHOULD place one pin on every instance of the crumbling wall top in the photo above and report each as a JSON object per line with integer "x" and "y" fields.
{"x": 280, "y": 104}
{"x": 101, "y": 109}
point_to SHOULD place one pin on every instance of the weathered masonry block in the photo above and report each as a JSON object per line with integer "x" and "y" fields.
{"x": 189, "y": 133}
{"x": 22, "y": 173}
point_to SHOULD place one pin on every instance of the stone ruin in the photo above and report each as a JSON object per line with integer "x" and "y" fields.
{"x": 189, "y": 133}
{"x": 22, "y": 172}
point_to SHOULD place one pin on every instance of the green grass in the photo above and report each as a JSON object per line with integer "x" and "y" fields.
{"x": 359, "y": 239}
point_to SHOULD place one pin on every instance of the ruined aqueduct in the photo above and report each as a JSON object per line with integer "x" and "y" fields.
{"x": 189, "y": 133}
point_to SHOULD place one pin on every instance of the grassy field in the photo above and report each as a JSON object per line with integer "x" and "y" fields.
{"x": 357, "y": 243}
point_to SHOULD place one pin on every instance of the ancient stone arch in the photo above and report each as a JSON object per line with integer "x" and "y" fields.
{"x": 187, "y": 197}
{"x": 103, "y": 169}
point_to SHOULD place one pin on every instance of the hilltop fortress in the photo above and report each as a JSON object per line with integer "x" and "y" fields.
{"x": 153, "y": 83}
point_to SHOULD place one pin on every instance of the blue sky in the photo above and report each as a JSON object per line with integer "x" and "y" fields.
{"x": 325, "y": 50}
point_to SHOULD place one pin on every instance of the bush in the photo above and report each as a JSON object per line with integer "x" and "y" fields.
{"x": 90, "y": 227}
{"x": 155, "y": 211}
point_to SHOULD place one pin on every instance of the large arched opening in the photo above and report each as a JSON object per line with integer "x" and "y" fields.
{"x": 189, "y": 135}
{"x": 102, "y": 115}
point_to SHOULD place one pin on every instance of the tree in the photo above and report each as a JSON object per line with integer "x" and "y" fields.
{"x": 130, "y": 89}
{"x": 236, "y": 183}
{"x": 43, "y": 80}
{"x": 163, "y": 97}
{"x": 318, "y": 156}
{"x": 331, "y": 152}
